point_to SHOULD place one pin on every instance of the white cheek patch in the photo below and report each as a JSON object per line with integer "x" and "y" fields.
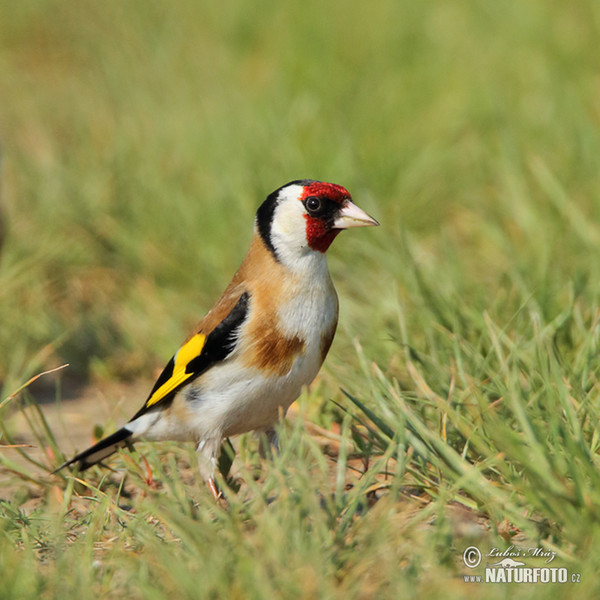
{"x": 288, "y": 228}
{"x": 289, "y": 221}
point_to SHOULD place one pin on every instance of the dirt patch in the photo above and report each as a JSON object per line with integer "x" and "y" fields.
{"x": 72, "y": 412}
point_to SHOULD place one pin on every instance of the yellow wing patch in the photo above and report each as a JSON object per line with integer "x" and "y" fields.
{"x": 190, "y": 350}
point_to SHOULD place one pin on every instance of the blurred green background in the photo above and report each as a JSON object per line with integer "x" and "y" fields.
{"x": 138, "y": 138}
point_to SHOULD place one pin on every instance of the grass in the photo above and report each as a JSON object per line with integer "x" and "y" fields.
{"x": 138, "y": 140}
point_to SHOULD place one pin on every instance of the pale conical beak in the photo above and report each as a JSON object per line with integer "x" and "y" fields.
{"x": 352, "y": 216}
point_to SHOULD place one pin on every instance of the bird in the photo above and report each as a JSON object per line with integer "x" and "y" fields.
{"x": 266, "y": 338}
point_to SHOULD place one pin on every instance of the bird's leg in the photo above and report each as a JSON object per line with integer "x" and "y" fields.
{"x": 273, "y": 439}
{"x": 207, "y": 460}
{"x": 214, "y": 490}
{"x": 269, "y": 442}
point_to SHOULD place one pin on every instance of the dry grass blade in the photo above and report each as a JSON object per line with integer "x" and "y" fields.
{"x": 29, "y": 382}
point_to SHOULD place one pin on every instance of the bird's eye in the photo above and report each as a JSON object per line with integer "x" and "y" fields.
{"x": 313, "y": 204}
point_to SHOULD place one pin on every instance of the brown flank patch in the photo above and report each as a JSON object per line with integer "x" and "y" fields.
{"x": 275, "y": 353}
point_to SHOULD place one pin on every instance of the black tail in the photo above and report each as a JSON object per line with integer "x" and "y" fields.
{"x": 105, "y": 447}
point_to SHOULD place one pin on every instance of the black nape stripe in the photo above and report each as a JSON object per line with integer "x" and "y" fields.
{"x": 264, "y": 220}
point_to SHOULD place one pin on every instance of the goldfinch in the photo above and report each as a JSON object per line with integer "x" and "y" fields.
{"x": 265, "y": 338}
